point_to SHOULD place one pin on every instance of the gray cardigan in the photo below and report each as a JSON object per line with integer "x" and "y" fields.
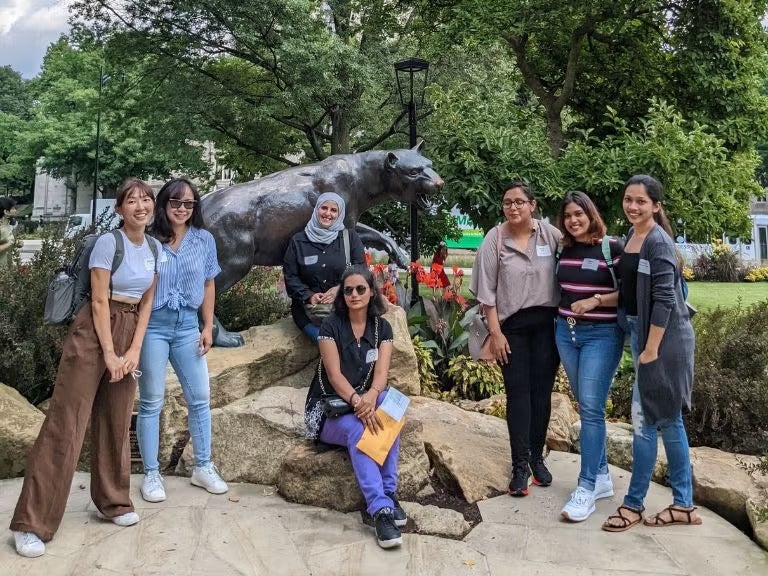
{"x": 664, "y": 384}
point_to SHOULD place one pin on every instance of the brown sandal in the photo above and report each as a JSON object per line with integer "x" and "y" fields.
{"x": 626, "y": 523}
{"x": 657, "y": 521}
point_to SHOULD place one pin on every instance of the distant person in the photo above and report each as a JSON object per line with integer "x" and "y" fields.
{"x": 514, "y": 279}
{"x": 652, "y": 310}
{"x": 185, "y": 285}
{"x": 315, "y": 260}
{"x": 96, "y": 382}
{"x": 356, "y": 348}
{"x": 589, "y": 339}
{"x": 7, "y": 239}
{"x": 438, "y": 265}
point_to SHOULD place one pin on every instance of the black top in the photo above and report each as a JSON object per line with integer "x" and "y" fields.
{"x": 582, "y": 273}
{"x": 627, "y": 271}
{"x": 356, "y": 358}
{"x": 309, "y": 268}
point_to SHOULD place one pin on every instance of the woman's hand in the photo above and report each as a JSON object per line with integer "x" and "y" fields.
{"x": 647, "y": 356}
{"x": 365, "y": 410}
{"x": 500, "y": 347}
{"x": 581, "y": 306}
{"x": 315, "y": 298}
{"x": 206, "y": 340}
{"x": 116, "y": 367}
{"x": 329, "y": 296}
{"x": 131, "y": 360}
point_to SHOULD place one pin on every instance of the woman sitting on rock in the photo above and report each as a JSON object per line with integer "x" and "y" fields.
{"x": 356, "y": 347}
{"x": 315, "y": 260}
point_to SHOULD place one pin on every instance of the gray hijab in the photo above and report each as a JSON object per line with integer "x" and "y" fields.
{"x": 317, "y": 233}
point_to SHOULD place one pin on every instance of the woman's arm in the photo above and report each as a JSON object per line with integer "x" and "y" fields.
{"x": 102, "y": 324}
{"x": 131, "y": 358}
{"x": 206, "y": 312}
{"x": 356, "y": 248}
{"x": 499, "y": 345}
{"x": 296, "y": 289}
{"x": 662, "y": 260}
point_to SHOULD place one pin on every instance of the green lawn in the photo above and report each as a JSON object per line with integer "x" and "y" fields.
{"x": 706, "y": 295}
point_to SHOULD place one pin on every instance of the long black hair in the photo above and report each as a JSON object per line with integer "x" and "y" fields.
{"x": 654, "y": 191}
{"x": 161, "y": 227}
{"x": 376, "y": 306}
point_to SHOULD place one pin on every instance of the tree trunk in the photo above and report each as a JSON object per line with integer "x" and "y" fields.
{"x": 339, "y": 131}
{"x": 555, "y": 132}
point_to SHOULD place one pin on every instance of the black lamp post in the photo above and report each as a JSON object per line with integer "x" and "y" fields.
{"x": 102, "y": 79}
{"x": 411, "y": 75}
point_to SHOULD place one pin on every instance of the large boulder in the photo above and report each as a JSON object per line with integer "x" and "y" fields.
{"x": 404, "y": 368}
{"x": 326, "y": 478}
{"x": 19, "y": 428}
{"x": 561, "y": 421}
{"x": 722, "y": 483}
{"x": 437, "y": 521}
{"x": 468, "y": 450}
{"x": 757, "y": 513}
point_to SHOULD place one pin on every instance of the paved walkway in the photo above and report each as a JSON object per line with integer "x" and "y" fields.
{"x": 252, "y": 531}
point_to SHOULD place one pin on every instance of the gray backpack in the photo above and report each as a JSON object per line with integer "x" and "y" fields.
{"x": 70, "y": 288}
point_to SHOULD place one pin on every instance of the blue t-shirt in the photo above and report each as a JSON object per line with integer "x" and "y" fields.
{"x": 136, "y": 272}
{"x": 182, "y": 273}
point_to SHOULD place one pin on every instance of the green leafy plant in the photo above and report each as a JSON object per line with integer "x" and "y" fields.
{"x": 721, "y": 265}
{"x": 620, "y": 399}
{"x": 253, "y": 301}
{"x": 473, "y": 379}
{"x": 427, "y": 376}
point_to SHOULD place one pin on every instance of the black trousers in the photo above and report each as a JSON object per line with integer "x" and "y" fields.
{"x": 529, "y": 377}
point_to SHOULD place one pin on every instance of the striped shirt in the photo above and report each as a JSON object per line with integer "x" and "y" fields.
{"x": 181, "y": 278}
{"x": 583, "y": 272}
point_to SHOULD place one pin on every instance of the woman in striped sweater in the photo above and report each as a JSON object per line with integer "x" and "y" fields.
{"x": 588, "y": 338}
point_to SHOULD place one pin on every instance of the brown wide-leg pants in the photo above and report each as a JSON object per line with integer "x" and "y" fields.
{"x": 82, "y": 391}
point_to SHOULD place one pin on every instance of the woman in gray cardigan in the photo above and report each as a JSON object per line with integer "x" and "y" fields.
{"x": 652, "y": 311}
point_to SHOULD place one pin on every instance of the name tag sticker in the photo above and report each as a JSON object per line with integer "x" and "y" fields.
{"x": 372, "y": 356}
{"x": 543, "y": 250}
{"x": 590, "y": 264}
{"x": 149, "y": 264}
{"x": 309, "y": 260}
{"x": 644, "y": 267}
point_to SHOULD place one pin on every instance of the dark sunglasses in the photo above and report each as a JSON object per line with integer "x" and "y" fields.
{"x": 361, "y": 289}
{"x": 188, "y": 204}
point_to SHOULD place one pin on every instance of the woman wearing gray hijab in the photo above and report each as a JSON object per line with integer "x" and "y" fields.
{"x": 315, "y": 260}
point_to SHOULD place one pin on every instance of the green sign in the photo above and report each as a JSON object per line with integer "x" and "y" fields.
{"x": 471, "y": 237}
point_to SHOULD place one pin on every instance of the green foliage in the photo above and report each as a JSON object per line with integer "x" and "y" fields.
{"x": 730, "y": 392}
{"x": 620, "y": 399}
{"x": 253, "y": 301}
{"x": 721, "y": 265}
{"x": 427, "y": 376}
{"x": 16, "y": 170}
{"x": 29, "y": 349}
{"x": 474, "y": 380}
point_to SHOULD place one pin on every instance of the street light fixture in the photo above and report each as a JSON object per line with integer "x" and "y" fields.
{"x": 411, "y": 75}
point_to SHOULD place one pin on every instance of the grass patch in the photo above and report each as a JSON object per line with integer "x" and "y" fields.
{"x": 709, "y": 295}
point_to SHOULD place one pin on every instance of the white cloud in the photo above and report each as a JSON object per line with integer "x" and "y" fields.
{"x": 27, "y": 27}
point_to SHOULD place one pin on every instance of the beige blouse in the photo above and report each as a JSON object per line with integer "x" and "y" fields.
{"x": 517, "y": 279}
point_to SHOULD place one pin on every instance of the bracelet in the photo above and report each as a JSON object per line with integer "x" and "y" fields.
{"x": 352, "y": 397}
{"x": 599, "y": 298}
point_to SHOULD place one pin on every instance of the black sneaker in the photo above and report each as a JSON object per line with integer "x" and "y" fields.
{"x": 387, "y": 533}
{"x": 541, "y": 476}
{"x": 521, "y": 479}
{"x": 401, "y": 518}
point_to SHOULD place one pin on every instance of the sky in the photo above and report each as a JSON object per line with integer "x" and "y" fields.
{"x": 27, "y": 27}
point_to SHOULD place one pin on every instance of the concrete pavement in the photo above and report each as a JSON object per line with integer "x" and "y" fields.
{"x": 252, "y": 531}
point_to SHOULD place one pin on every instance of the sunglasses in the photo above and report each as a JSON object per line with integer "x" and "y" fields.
{"x": 188, "y": 204}
{"x": 361, "y": 289}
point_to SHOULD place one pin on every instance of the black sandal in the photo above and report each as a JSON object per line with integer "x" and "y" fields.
{"x": 626, "y": 523}
{"x": 657, "y": 521}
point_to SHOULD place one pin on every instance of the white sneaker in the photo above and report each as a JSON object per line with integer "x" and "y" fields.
{"x": 208, "y": 477}
{"x": 603, "y": 486}
{"x": 580, "y": 506}
{"x": 124, "y": 520}
{"x": 153, "y": 487}
{"x": 28, "y": 544}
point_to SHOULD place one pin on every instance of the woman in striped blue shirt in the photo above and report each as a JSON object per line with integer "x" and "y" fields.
{"x": 185, "y": 285}
{"x": 588, "y": 338}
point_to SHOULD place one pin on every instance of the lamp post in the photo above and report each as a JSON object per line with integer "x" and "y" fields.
{"x": 102, "y": 79}
{"x": 411, "y": 75}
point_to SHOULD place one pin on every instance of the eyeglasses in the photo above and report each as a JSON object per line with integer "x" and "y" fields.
{"x": 516, "y": 203}
{"x": 188, "y": 204}
{"x": 361, "y": 289}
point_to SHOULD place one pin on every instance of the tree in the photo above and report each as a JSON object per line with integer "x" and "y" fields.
{"x": 16, "y": 171}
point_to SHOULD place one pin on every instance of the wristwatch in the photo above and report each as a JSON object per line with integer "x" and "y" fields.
{"x": 599, "y": 299}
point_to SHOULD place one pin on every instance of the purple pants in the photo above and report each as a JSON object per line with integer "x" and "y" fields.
{"x": 375, "y": 481}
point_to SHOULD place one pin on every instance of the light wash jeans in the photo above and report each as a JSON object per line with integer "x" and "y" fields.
{"x": 645, "y": 447}
{"x": 590, "y": 353}
{"x": 174, "y": 335}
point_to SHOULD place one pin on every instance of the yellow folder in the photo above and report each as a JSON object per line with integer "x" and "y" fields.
{"x": 377, "y": 446}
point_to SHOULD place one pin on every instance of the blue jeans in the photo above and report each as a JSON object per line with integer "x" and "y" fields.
{"x": 173, "y": 335}
{"x": 311, "y": 331}
{"x": 645, "y": 447}
{"x": 376, "y": 482}
{"x": 590, "y": 353}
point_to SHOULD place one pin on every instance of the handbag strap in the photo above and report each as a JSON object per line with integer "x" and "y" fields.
{"x": 370, "y": 370}
{"x": 345, "y": 238}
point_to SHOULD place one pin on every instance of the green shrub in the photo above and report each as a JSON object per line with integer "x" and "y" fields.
{"x": 253, "y": 301}
{"x": 721, "y": 265}
{"x": 730, "y": 390}
{"x": 474, "y": 380}
{"x": 427, "y": 375}
{"x": 620, "y": 399}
